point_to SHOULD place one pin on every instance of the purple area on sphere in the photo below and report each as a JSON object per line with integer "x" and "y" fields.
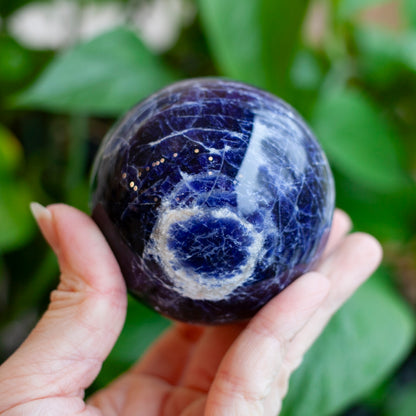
{"x": 214, "y": 196}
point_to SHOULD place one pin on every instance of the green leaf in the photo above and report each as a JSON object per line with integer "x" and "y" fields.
{"x": 349, "y": 8}
{"x": 387, "y": 216}
{"x": 306, "y": 73}
{"x": 15, "y": 61}
{"x": 407, "y": 49}
{"x": 254, "y": 40}
{"x": 402, "y": 402}
{"x": 11, "y": 152}
{"x": 358, "y": 140}
{"x": 383, "y": 54}
{"x": 16, "y": 224}
{"x": 31, "y": 294}
{"x": 364, "y": 342}
{"x": 409, "y": 11}
{"x": 105, "y": 76}
{"x": 233, "y": 31}
{"x": 280, "y": 27}
{"x": 4, "y": 285}
{"x": 380, "y": 56}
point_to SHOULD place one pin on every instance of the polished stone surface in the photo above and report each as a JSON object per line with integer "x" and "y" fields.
{"x": 214, "y": 196}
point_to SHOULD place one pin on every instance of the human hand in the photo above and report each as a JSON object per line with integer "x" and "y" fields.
{"x": 239, "y": 369}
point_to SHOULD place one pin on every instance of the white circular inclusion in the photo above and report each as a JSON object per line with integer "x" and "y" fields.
{"x": 186, "y": 281}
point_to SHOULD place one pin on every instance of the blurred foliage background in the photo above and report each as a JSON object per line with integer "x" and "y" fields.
{"x": 68, "y": 69}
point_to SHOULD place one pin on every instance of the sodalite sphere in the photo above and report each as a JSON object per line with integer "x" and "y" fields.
{"x": 214, "y": 196}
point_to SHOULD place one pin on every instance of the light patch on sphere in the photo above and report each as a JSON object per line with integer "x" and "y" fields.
{"x": 186, "y": 280}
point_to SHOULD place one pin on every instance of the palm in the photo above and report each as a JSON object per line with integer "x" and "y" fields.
{"x": 174, "y": 376}
{"x": 240, "y": 369}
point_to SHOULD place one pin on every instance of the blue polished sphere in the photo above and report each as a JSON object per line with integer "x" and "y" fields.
{"x": 214, "y": 196}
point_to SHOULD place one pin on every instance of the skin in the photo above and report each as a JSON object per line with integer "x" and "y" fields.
{"x": 239, "y": 369}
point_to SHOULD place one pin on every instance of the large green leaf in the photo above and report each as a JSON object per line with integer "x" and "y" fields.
{"x": 402, "y": 402}
{"x": 254, "y": 40}
{"x": 11, "y": 152}
{"x": 383, "y": 53}
{"x": 348, "y": 8}
{"x": 380, "y": 54}
{"x": 409, "y": 11}
{"x": 358, "y": 140}
{"x": 387, "y": 216}
{"x": 306, "y": 72}
{"x": 280, "y": 25}
{"x": 4, "y": 284}
{"x": 407, "y": 49}
{"x": 364, "y": 342}
{"x": 16, "y": 224}
{"x": 106, "y": 75}
{"x": 15, "y": 61}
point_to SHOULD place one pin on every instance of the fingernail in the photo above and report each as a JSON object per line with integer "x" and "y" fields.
{"x": 43, "y": 217}
{"x": 40, "y": 212}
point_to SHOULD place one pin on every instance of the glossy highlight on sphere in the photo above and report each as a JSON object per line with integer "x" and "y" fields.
{"x": 214, "y": 196}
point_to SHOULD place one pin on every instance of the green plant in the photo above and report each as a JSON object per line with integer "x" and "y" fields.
{"x": 353, "y": 77}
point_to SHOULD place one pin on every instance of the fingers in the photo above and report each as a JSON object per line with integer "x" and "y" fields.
{"x": 254, "y": 374}
{"x": 169, "y": 355}
{"x": 214, "y": 343}
{"x": 64, "y": 352}
{"x": 149, "y": 385}
{"x": 85, "y": 258}
{"x": 248, "y": 371}
{"x": 341, "y": 225}
{"x": 354, "y": 260}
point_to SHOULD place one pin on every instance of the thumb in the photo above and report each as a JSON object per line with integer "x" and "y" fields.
{"x": 64, "y": 352}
